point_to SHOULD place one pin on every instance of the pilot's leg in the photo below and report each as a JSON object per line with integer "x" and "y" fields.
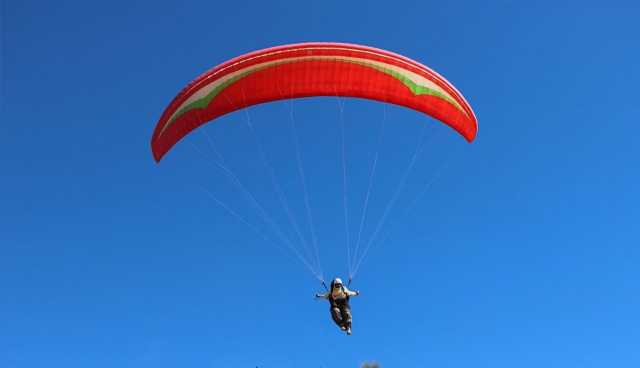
{"x": 336, "y": 315}
{"x": 346, "y": 318}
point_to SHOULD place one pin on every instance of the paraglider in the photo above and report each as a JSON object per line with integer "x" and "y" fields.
{"x": 338, "y": 296}
{"x": 309, "y": 70}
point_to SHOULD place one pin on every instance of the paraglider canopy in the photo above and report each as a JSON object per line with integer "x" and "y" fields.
{"x": 312, "y": 69}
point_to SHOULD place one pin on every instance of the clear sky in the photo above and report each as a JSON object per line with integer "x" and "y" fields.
{"x": 523, "y": 252}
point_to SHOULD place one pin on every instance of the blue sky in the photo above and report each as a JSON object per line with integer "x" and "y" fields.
{"x": 523, "y": 251}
